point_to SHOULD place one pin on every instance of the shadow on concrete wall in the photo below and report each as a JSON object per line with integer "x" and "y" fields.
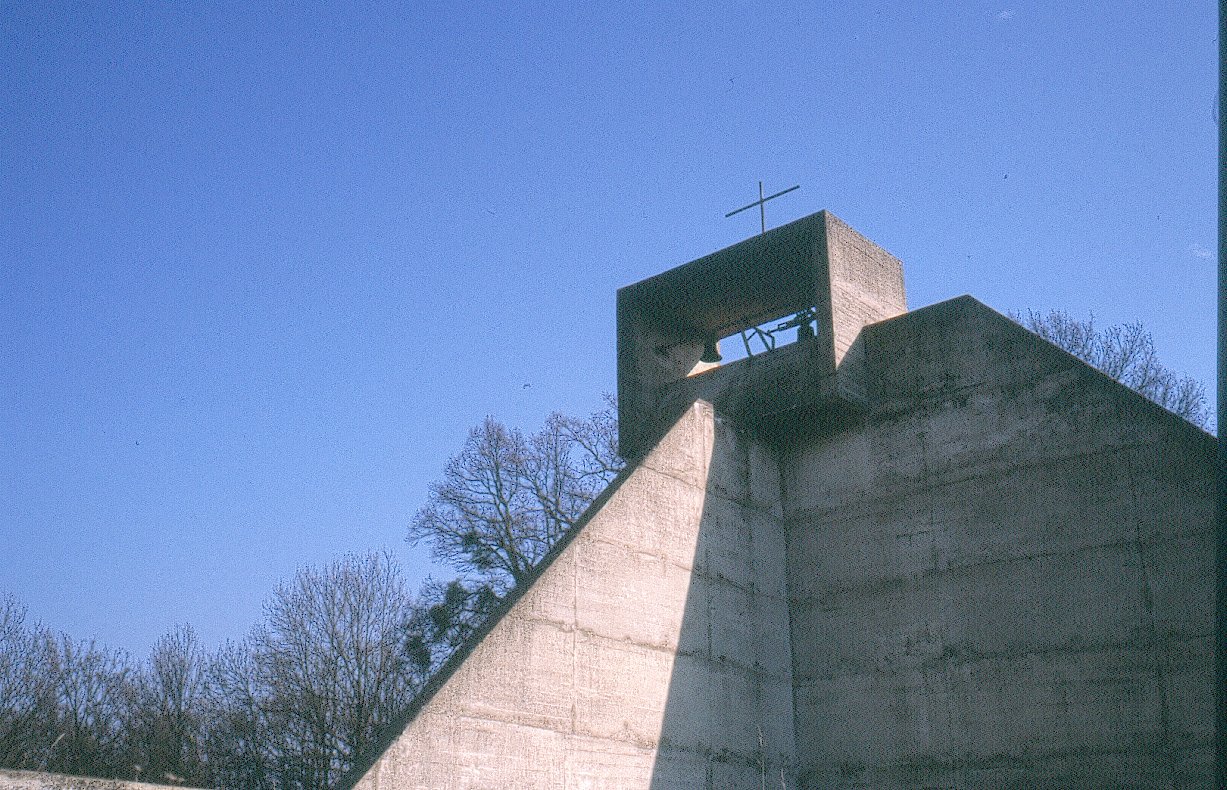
{"x": 728, "y": 719}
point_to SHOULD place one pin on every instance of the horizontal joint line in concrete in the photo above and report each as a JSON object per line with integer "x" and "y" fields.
{"x": 959, "y": 659}
{"x": 998, "y": 761}
{"x": 963, "y": 569}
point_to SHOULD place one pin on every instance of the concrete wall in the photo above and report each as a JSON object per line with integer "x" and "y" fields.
{"x": 652, "y": 651}
{"x": 39, "y": 780}
{"x": 866, "y": 286}
{"x": 1004, "y": 576}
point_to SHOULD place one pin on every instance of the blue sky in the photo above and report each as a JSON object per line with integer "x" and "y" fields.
{"x": 263, "y": 267}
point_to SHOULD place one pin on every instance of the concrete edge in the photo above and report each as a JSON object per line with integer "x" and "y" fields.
{"x": 968, "y": 305}
{"x": 17, "y": 779}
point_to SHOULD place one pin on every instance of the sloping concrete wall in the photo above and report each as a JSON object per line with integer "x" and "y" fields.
{"x": 1004, "y": 576}
{"x": 652, "y": 651}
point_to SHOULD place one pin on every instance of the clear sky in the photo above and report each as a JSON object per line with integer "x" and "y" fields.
{"x": 264, "y": 265}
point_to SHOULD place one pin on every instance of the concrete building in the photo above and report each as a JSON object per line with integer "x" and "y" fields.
{"x": 918, "y": 549}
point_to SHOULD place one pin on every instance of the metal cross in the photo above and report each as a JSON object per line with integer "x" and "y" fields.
{"x": 762, "y": 213}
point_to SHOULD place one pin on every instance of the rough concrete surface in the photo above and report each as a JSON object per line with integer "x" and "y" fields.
{"x": 39, "y": 780}
{"x": 1003, "y": 576}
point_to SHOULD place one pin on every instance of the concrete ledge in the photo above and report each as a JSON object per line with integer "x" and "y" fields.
{"x": 39, "y": 780}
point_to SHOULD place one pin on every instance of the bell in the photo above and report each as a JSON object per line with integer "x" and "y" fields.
{"x": 711, "y": 350}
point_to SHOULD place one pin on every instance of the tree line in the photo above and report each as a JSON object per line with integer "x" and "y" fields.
{"x": 282, "y": 708}
{"x": 339, "y": 652}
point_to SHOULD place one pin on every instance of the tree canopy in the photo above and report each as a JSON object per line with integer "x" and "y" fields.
{"x": 503, "y": 502}
{"x": 507, "y": 497}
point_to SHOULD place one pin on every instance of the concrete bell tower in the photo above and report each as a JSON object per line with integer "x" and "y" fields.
{"x": 817, "y": 262}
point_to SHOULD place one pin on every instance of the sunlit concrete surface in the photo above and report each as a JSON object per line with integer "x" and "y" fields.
{"x": 645, "y": 649}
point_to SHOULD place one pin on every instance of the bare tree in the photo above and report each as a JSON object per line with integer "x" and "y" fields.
{"x": 289, "y": 708}
{"x": 571, "y": 462}
{"x": 167, "y": 727}
{"x": 28, "y": 702}
{"x": 341, "y": 650}
{"x": 1127, "y": 354}
{"x": 94, "y": 699}
{"x": 330, "y": 668}
{"x": 478, "y": 518}
{"x": 444, "y": 619}
{"x": 506, "y": 499}
{"x": 239, "y": 744}
{"x": 65, "y": 704}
